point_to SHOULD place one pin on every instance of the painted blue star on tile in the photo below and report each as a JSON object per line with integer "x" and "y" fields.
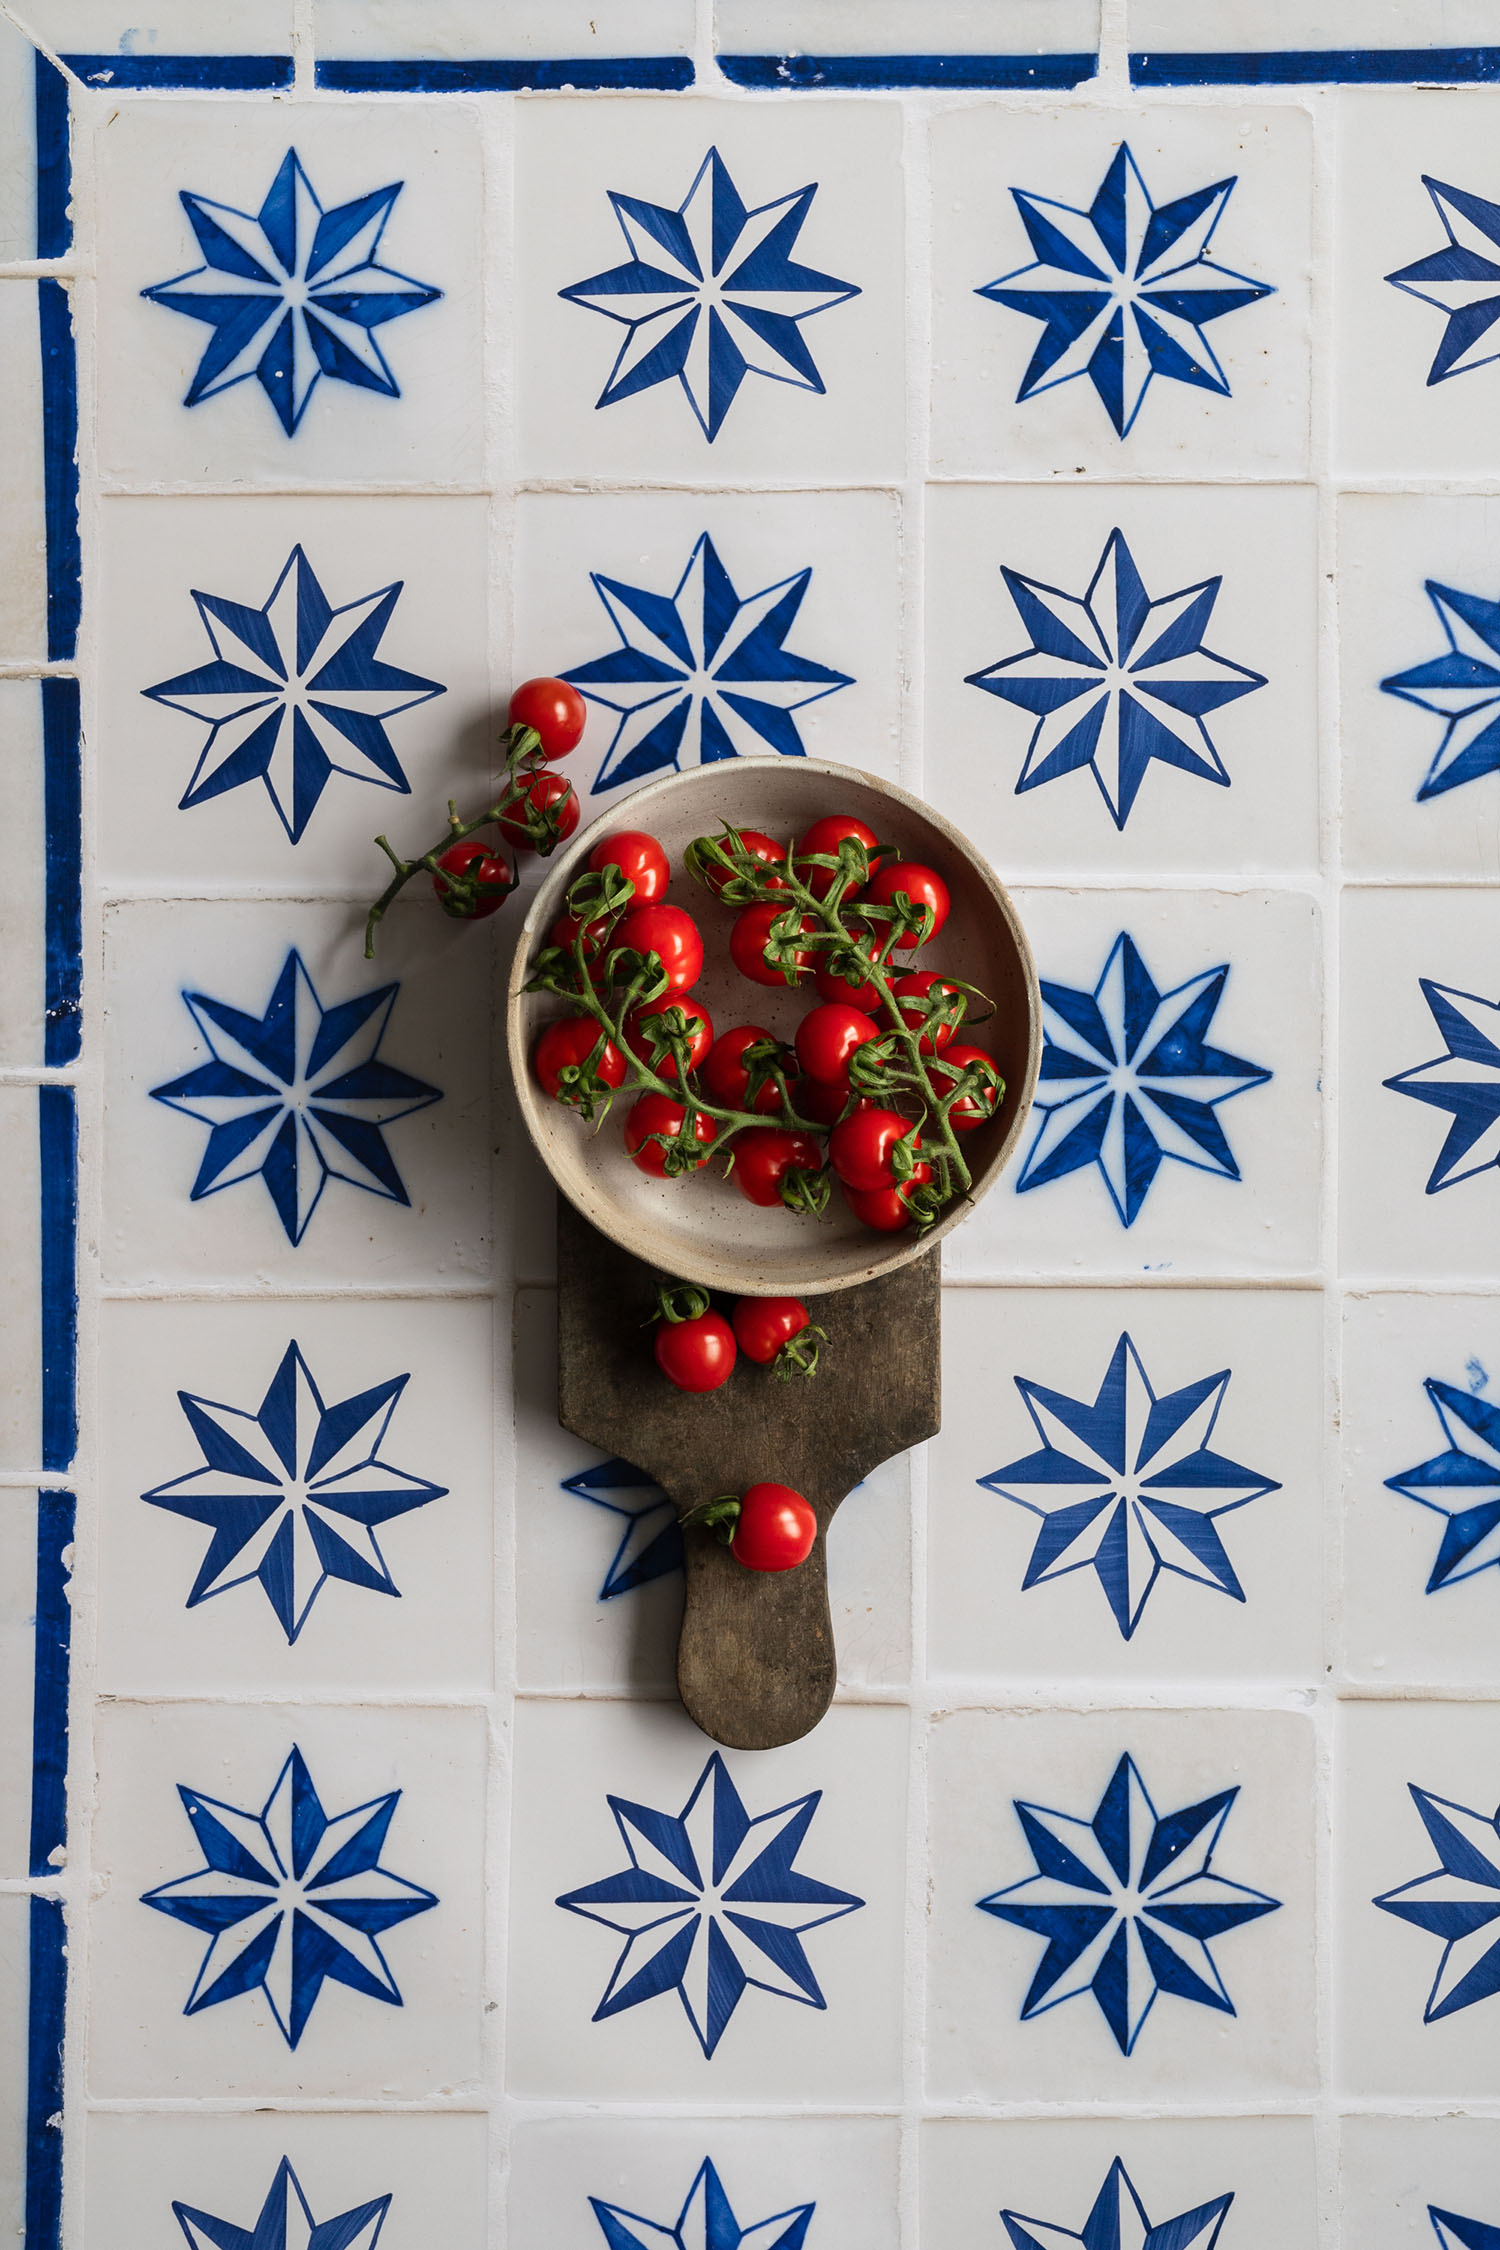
{"x": 1115, "y": 678}
{"x": 705, "y": 2222}
{"x": 710, "y": 294}
{"x": 1458, "y": 1902}
{"x": 1118, "y": 2221}
{"x": 1464, "y": 1081}
{"x": 1129, "y": 1486}
{"x": 1128, "y": 1903}
{"x": 1461, "y": 687}
{"x": 1454, "y": 2233}
{"x": 292, "y": 293}
{"x": 286, "y": 2222}
{"x": 1461, "y": 1484}
{"x": 1462, "y": 280}
{"x": 1129, "y": 1080}
{"x": 290, "y": 1898}
{"x": 293, "y": 1491}
{"x": 702, "y": 673}
{"x": 298, "y": 1096}
{"x": 711, "y": 1905}
{"x": 295, "y": 693}
{"x": 651, "y": 1543}
{"x": 1124, "y": 290}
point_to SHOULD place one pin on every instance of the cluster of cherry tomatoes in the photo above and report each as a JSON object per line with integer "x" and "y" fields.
{"x": 546, "y": 807}
{"x": 696, "y": 1348}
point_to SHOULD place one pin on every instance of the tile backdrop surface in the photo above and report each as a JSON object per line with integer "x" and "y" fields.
{"x": 1080, "y": 412}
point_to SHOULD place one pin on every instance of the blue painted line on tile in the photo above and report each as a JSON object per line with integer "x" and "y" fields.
{"x": 57, "y": 1124}
{"x": 240, "y": 74}
{"x": 61, "y": 744}
{"x": 60, "y": 471}
{"x": 499, "y": 74}
{"x": 54, "y": 228}
{"x": 1310, "y": 66}
{"x": 780, "y": 73}
{"x": 44, "y": 2075}
{"x": 56, "y": 1521}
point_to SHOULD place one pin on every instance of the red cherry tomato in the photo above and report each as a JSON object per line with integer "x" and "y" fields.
{"x": 761, "y": 847}
{"x": 640, "y": 858}
{"x": 827, "y": 1038}
{"x": 567, "y": 1045}
{"x": 775, "y": 1530}
{"x": 671, "y": 934}
{"x": 826, "y": 835}
{"x": 547, "y": 790}
{"x": 555, "y": 709}
{"x": 765, "y": 1154}
{"x": 696, "y": 1355}
{"x": 862, "y": 1148}
{"x": 726, "y": 1074}
{"x": 831, "y": 986}
{"x": 922, "y": 885}
{"x": 885, "y": 1208}
{"x": 483, "y": 865}
{"x": 567, "y": 929}
{"x": 919, "y": 987}
{"x": 971, "y": 1109}
{"x": 658, "y": 1113}
{"x": 700, "y": 1032}
{"x": 747, "y": 946}
{"x": 763, "y": 1324}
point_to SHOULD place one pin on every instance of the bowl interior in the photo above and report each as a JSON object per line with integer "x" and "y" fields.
{"x": 701, "y": 1228}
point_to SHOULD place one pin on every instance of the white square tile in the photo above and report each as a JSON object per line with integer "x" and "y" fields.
{"x": 637, "y": 1990}
{"x": 530, "y": 30}
{"x": 1254, "y": 2178}
{"x": 1127, "y": 1487}
{"x": 1056, "y": 1816}
{"x": 216, "y": 1578}
{"x": 18, "y": 145}
{"x": 874, "y": 28}
{"x": 810, "y": 197}
{"x": 1020, "y": 392}
{"x": 402, "y": 401}
{"x": 1417, "y": 1853}
{"x": 20, "y": 1280}
{"x": 1417, "y": 1164}
{"x": 1208, "y": 596}
{"x": 1220, "y": 989}
{"x": 181, "y": 2007}
{"x": 1256, "y": 26}
{"x": 405, "y": 1200}
{"x": 648, "y": 2176}
{"x": 164, "y": 27}
{"x": 392, "y": 2178}
{"x": 23, "y": 550}
{"x": 23, "y": 876}
{"x": 281, "y": 679}
{"x": 782, "y": 631}
{"x": 1408, "y": 2179}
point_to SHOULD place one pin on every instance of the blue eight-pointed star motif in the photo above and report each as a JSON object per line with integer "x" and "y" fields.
{"x": 710, "y": 294}
{"x": 286, "y": 2222}
{"x": 1115, "y": 678}
{"x": 289, "y": 1898}
{"x": 1129, "y": 1486}
{"x": 1124, "y": 290}
{"x": 294, "y": 693}
{"x": 1461, "y": 687}
{"x": 1458, "y": 1902}
{"x": 292, "y": 293}
{"x": 1454, "y": 2233}
{"x": 293, "y": 1491}
{"x": 705, "y": 2222}
{"x": 1128, "y": 1903}
{"x": 650, "y": 1545}
{"x": 1462, "y": 280}
{"x": 1118, "y": 2221}
{"x": 1465, "y": 1081}
{"x": 1461, "y": 1484}
{"x": 1128, "y": 1079}
{"x": 711, "y": 1904}
{"x": 702, "y": 673}
{"x": 298, "y": 1096}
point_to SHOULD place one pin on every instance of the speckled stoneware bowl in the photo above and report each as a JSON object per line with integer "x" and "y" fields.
{"x": 701, "y": 1228}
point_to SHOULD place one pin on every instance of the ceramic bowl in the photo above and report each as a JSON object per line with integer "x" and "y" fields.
{"x": 701, "y": 1228}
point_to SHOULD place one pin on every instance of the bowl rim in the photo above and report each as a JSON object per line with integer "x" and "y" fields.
{"x": 723, "y": 1272}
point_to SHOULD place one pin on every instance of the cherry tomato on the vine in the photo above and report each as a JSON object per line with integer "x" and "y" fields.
{"x": 747, "y": 946}
{"x": 763, "y": 1157}
{"x": 658, "y": 1113}
{"x": 885, "y": 1208}
{"x": 639, "y": 857}
{"x": 775, "y": 1528}
{"x": 974, "y": 1108}
{"x": 831, "y": 986}
{"x": 762, "y": 1325}
{"x": 761, "y": 848}
{"x": 548, "y": 790}
{"x": 696, "y": 1355}
{"x": 555, "y": 709}
{"x": 726, "y": 1074}
{"x": 700, "y": 1033}
{"x": 922, "y": 885}
{"x": 862, "y": 1149}
{"x": 670, "y": 933}
{"x": 826, "y": 1039}
{"x": 920, "y": 987}
{"x": 567, "y": 1045}
{"x": 825, "y": 836}
{"x": 483, "y": 865}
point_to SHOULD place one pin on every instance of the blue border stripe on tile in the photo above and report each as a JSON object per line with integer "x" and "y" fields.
{"x": 61, "y": 740}
{"x": 48, "y": 1987}
{"x": 498, "y": 74}
{"x": 781, "y": 73}
{"x": 54, "y": 229}
{"x": 60, "y": 471}
{"x": 238, "y": 74}
{"x": 57, "y": 1125}
{"x": 1329, "y": 66}
{"x": 56, "y": 1520}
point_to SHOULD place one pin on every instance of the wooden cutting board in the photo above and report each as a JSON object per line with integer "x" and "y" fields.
{"x": 756, "y": 1662}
